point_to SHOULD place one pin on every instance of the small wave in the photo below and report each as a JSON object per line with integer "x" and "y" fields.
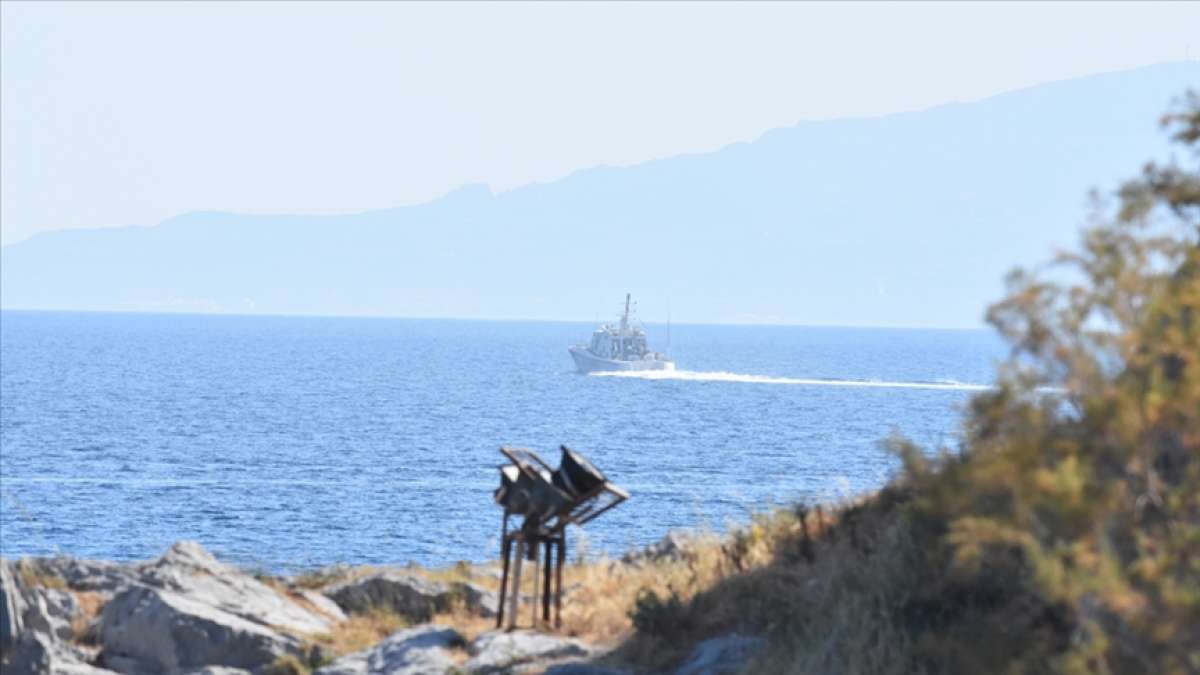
{"x": 721, "y": 376}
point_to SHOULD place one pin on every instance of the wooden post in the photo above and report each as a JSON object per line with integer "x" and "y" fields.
{"x": 516, "y": 590}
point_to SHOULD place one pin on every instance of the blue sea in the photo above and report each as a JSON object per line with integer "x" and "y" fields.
{"x": 284, "y": 443}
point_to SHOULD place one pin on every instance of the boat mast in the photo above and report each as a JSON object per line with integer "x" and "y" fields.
{"x": 625, "y": 316}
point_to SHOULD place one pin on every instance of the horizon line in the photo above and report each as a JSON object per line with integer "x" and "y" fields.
{"x": 387, "y": 317}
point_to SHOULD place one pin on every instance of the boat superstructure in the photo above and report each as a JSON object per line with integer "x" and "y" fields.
{"x": 619, "y": 347}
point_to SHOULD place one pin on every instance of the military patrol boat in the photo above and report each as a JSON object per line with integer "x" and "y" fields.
{"x": 621, "y": 347}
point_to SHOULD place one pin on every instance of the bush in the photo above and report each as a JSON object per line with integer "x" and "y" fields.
{"x": 1064, "y": 534}
{"x": 1070, "y": 528}
{"x": 659, "y": 617}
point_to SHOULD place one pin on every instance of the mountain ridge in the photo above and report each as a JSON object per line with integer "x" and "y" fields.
{"x": 903, "y": 219}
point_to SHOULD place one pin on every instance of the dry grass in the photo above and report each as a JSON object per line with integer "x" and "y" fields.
{"x": 461, "y": 572}
{"x": 287, "y": 664}
{"x": 771, "y": 578}
{"x": 764, "y": 578}
{"x": 320, "y": 578}
{"x": 468, "y": 624}
{"x": 361, "y": 631}
{"x": 90, "y": 605}
{"x": 31, "y": 576}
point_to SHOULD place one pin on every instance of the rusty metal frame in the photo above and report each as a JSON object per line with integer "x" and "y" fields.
{"x": 549, "y": 535}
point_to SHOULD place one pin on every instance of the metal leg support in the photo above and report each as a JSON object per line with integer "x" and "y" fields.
{"x": 505, "y": 549}
{"x": 562, "y": 557}
{"x": 516, "y": 586}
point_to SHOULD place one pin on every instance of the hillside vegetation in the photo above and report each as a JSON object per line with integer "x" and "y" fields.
{"x": 1062, "y": 536}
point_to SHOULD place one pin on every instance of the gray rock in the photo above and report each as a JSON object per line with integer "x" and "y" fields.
{"x": 673, "y": 547}
{"x": 38, "y": 654}
{"x": 407, "y": 595}
{"x": 321, "y": 603}
{"x": 30, "y": 653}
{"x": 189, "y": 570}
{"x": 319, "y": 655}
{"x": 519, "y": 651}
{"x": 726, "y": 654}
{"x": 330, "y": 574}
{"x": 12, "y": 607}
{"x": 424, "y": 650}
{"x": 155, "y": 630}
{"x": 477, "y": 599}
{"x": 51, "y": 612}
{"x": 582, "y": 668}
{"x": 100, "y": 576}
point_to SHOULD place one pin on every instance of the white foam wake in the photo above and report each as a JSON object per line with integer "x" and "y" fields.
{"x": 719, "y": 376}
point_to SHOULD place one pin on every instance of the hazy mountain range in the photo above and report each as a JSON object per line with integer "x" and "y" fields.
{"x": 907, "y": 219}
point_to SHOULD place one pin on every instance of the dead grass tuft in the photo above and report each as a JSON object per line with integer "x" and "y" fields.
{"x": 361, "y": 631}
{"x": 32, "y": 576}
{"x": 287, "y": 664}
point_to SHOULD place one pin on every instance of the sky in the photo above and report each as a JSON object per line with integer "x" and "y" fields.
{"x": 130, "y": 113}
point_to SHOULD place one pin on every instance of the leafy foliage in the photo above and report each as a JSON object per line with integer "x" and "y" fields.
{"x": 1086, "y": 506}
{"x": 1064, "y": 534}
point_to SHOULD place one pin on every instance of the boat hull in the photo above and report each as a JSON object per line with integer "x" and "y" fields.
{"x": 587, "y": 362}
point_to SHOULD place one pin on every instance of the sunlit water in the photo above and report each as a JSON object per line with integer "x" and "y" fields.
{"x": 291, "y": 442}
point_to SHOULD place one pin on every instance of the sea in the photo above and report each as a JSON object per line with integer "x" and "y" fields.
{"x": 288, "y": 443}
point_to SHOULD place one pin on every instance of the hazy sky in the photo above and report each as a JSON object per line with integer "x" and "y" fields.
{"x": 116, "y": 114}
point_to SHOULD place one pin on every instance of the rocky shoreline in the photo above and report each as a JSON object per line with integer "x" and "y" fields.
{"x": 187, "y": 612}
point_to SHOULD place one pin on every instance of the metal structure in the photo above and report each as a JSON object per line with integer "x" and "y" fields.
{"x": 548, "y": 500}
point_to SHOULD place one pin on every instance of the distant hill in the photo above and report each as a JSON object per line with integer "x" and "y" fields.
{"x": 906, "y": 219}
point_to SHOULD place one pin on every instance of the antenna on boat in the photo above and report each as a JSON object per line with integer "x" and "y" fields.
{"x": 625, "y": 316}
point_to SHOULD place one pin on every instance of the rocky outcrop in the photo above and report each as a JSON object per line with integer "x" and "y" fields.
{"x": 424, "y": 650}
{"x": 38, "y": 625}
{"x": 476, "y": 599}
{"x": 51, "y": 612}
{"x": 187, "y": 569}
{"x": 726, "y": 654}
{"x": 35, "y": 653}
{"x": 144, "y": 629}
{"x": 185, "y": 610}
{"x": 188, "y": 613}
{"x": 582, "y": 668}
{"x": 12, "y": 607}
{"x": 319, "y": 603}
{"x": 409, "y": 596}
{"x": 673, "y": 547}
{"x": 430, "y": 649}
{"x": 521, "y": 651}
{"x": 99, "y": 576}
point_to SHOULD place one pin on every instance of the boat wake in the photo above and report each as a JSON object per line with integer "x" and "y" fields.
{"x": 720, "y": 376}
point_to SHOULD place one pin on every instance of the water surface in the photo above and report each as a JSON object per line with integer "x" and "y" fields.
{"x": 288, "y": 442}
